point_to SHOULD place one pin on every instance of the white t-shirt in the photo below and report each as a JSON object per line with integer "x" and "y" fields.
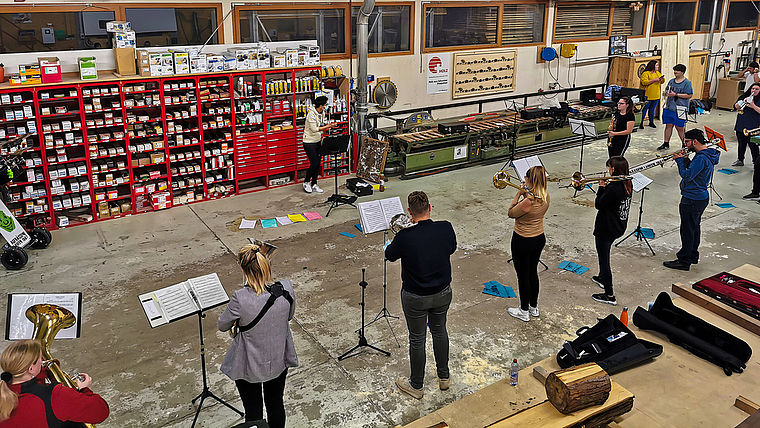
{"x": 750, "y": 80}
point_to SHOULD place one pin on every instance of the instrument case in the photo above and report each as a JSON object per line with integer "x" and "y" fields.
{"x": 610, "y": 344}
{"x": 359, "y": 187}
{"x": 734, "y": 291}
{"x": 531, "y": 113}
{"x": 694, "y": 334}
{"x": 453, "y": 128}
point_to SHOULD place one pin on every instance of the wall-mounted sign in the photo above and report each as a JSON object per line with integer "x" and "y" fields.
{"x": 438, "y": 72}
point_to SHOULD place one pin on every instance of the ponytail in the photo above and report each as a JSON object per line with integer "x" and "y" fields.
{"x": 256, "y": 268}
{"x": 15, "y": 362}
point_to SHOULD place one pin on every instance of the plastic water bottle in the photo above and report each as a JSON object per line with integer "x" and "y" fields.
{"x": 513, "y": 373}
{"x": 624, "y": 316}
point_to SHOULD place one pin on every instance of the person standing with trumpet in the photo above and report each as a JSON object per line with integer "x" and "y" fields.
{"x": 613, "y": 203}
{"x": 263, "y": 350}
{"x": 748, "y": 118}
{"x": 528, "y": 208}
{"x": 27, "y": 401}
{"x": 621, "y": 127}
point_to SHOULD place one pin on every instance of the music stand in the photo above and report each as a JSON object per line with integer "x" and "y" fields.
{"x": 640, "y": 183}
{"x": 335, "y": 145}
{"x": 362, "y": 338}
{"x": 584, "y": 129}
{"x": 713, "y": 135}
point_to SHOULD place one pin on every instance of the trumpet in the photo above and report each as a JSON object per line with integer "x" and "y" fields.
{"x": 502, "y": 179}
{"x": 578, "y": 181}
{"x": 743, "y": 103}
{"x": 751, "y": 132}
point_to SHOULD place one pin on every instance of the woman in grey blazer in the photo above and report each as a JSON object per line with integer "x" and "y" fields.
{"x": 259, "y": 357}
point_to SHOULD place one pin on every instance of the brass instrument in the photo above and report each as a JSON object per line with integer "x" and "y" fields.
{"x": 578, "y": 181}
{"x": 401, "y": 221}
{"x": 744, "y": 103}
{"x": 613, "y": 122}
{"x": 502, "y": 179}
{"x": 716, "y": 142}
{"x": 48, "y": 320}
{"x": 751, "y": 132}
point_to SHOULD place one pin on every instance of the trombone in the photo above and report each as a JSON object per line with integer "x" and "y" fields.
{"x": 502, "y": 179}
{"x": 751, "y": 132}
{"x": 578, "y": 181}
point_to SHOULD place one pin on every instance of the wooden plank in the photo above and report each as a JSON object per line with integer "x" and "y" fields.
{"x": 748, "y": 406}
{"x": 546, "y": 416}
{"x": 751, "y": 422}
{"x": 540, "y": 373}
{"x": 739, "y": 318}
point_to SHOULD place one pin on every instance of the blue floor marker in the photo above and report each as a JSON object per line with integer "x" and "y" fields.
{"x": 359, "y": 226}
{"x": 726, "y": 205}
{"x": 573, "y": 267}
{"x": 348, "y": 234}
{"x": 728, "y": 171}
{"x": 495, "y": 289}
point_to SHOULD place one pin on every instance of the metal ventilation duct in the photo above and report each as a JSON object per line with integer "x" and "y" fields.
{"x": 362, "y": 51}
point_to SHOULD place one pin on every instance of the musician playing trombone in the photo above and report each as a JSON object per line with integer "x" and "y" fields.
{"x": 695, "y": 177}
{"x": 749, "y": 118}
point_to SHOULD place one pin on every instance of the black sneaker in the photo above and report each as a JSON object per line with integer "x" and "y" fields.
{"x": 676, "y": 264}
{"x": 651, "y": 125}
{"x": 603, "y": 298}
{"x": 751, "y": 196}
{"x": 641, "y": 126}
{"x": 664, "y": 146}
{"x": 598, "y": 281}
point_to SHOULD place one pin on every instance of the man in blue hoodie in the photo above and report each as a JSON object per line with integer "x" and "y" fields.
{"x": 695, "y": 177}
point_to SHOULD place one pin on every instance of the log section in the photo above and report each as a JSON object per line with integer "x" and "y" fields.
{"x": 578, "y": 387}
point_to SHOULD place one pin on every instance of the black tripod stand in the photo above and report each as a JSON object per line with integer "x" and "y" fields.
{"x": 362, "y": 338}
{"x": 711, "y": 187}
{"x": 333, "y": 146}
{"x": 206, "y": 392}
{"x": 638, "y": 232}
{"x": 385, "y": 313}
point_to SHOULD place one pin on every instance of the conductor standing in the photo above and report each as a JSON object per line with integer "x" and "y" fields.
{"x": 425, "y": 251}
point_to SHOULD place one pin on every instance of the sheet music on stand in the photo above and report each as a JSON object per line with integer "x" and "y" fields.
{"x": 522, "y": 165}
{"x": 18, "y": 326}
{"x": 583, "y": 128}
{"x": 184, "y": 299}
{"x": 376, "y": 216}
{"x": 640, "y": 181}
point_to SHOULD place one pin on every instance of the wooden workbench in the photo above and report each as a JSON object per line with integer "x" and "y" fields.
{"x": 676, "y": 389}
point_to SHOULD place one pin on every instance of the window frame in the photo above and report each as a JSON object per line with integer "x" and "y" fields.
{"x": 412, "y": 24}
{"x": 119, "y": 10}
{"x": 543, "y": 25}
{"x": 693, "y": 30}
{"x": 718, "y": 25}
{"x": 725, "y": 18}
{"x": 611, "y": 4}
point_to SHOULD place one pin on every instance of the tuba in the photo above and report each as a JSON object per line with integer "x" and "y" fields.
{"x": 48, "y": 320}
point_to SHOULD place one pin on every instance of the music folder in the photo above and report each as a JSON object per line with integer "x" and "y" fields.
{"x": 376, "y": 215}
{"x": 18, "y": 326}
{"x": 178, "y": 301}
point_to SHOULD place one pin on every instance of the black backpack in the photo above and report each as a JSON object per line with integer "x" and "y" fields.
{"x": 610, "y": 344}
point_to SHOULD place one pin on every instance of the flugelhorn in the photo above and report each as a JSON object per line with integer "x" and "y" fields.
{"x": 48, "y": 320}
{"x": 502, "y": 179}
{"x": 751, "y": 132}
{"x": 578, "y": 181}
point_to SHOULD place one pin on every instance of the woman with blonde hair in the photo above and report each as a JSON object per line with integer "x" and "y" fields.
{"x": 26, "y": 401}
{"x": 263, "y": 350}
{"x": 528, "y": 209}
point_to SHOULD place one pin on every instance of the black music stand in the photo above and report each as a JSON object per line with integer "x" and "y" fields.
{"x": 335, "y": 145}
{"x": 362, "y": 339}
{"x": 385, "y": 313}
{"x": 584, "y": 129}
{"x": 638, "y": 232}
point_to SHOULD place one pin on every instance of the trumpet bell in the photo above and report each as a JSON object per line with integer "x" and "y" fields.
{"x": 501, "y": 179}
{"x": 400, "y": 222}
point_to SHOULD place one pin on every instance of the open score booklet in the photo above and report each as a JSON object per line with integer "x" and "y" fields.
{"x": 186, "y": 298}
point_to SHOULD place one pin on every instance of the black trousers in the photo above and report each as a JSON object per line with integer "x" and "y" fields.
{"x": 743, "y": 143}
{"x": 525, "y": 255}
{"x": 603, "y": 247}
{"x": 691, "y": 216}
{"x": 756, "y": 174}
{"x": 274, "y": 390}
{"x": 619, "y": 146}
{"x": 312, "y": 151}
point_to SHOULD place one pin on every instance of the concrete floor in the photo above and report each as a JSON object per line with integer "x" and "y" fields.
{"x": 149, "y": 376}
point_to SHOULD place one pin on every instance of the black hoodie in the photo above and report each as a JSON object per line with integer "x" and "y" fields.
{"x": 613, "y": 204}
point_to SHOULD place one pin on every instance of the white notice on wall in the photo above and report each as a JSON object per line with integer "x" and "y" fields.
{"x": 437, "y": 66}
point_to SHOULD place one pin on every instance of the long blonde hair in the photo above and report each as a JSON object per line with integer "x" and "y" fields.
{"x": 537, "y": 180}
{"x": 256, "y": 268}
{"x": 16, "y": 360}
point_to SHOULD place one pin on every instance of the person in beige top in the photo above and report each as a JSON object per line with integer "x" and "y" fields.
{"x": 528, "y": 240}
{"x": 312, "y": 137}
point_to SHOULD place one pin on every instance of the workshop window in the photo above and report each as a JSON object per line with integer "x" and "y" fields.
{"x": 326, "y": 26}
{"x": 460, "y": 26}
{"x": 54, "y": 31}
{"x": 173, "y": 26}
{"x": 579, "y": 22}
{"x": 673, "y": 17}
{"x": 742, "y": 14}
{"x": 389, "y": 28}
{"x": 704, "y": 14}
{"x": 523, "y": 24}
{"x": 629, "y": 19}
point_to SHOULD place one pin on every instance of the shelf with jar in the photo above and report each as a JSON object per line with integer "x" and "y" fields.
{"x": 217, "y": 130}
{"x": 28, "y": 194}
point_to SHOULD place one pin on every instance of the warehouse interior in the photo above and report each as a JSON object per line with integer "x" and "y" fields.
{"x": 149, "y": 376}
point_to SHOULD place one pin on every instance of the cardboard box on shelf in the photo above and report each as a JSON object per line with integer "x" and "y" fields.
{"x": 125, "y": 61}
{"x": 50, "y": 68}
{"x": 114, "y": 26}
{"x": 198, "y": 63}
{"x": 63, "y": 221}
{"x": 125, "y": 207}
{"x": 181, "y": 62}
{"x": 312, "y": 54}
{"x": 154, "y": 62}
{"x": 88, "y": 70}
{"x": 291, "y": 57}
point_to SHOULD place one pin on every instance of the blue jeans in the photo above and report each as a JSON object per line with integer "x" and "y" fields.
{"x": 421, "y": 312}
{"x": 650, "y": 106}
{"x": 691, "y": 216}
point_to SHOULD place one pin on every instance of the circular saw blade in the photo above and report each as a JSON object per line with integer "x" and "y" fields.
{"x": 385, "y": 94}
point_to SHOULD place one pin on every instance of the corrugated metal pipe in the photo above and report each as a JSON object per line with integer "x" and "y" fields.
{"x": 362, "y": 52}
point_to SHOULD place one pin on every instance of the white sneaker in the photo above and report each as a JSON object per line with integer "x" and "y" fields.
{"x": 307, "y": 187}
{"x": 317, "y": 189}
{"x": 533, "y": 311}
{"x": 519, "y": 314}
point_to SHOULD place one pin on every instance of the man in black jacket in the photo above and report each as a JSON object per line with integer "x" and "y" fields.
{"x": 425, "y": 251}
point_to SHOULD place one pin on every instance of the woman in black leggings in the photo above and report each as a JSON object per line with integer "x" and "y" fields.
{"x": 528, "y": 209}
{"x": 312, "y": 137}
